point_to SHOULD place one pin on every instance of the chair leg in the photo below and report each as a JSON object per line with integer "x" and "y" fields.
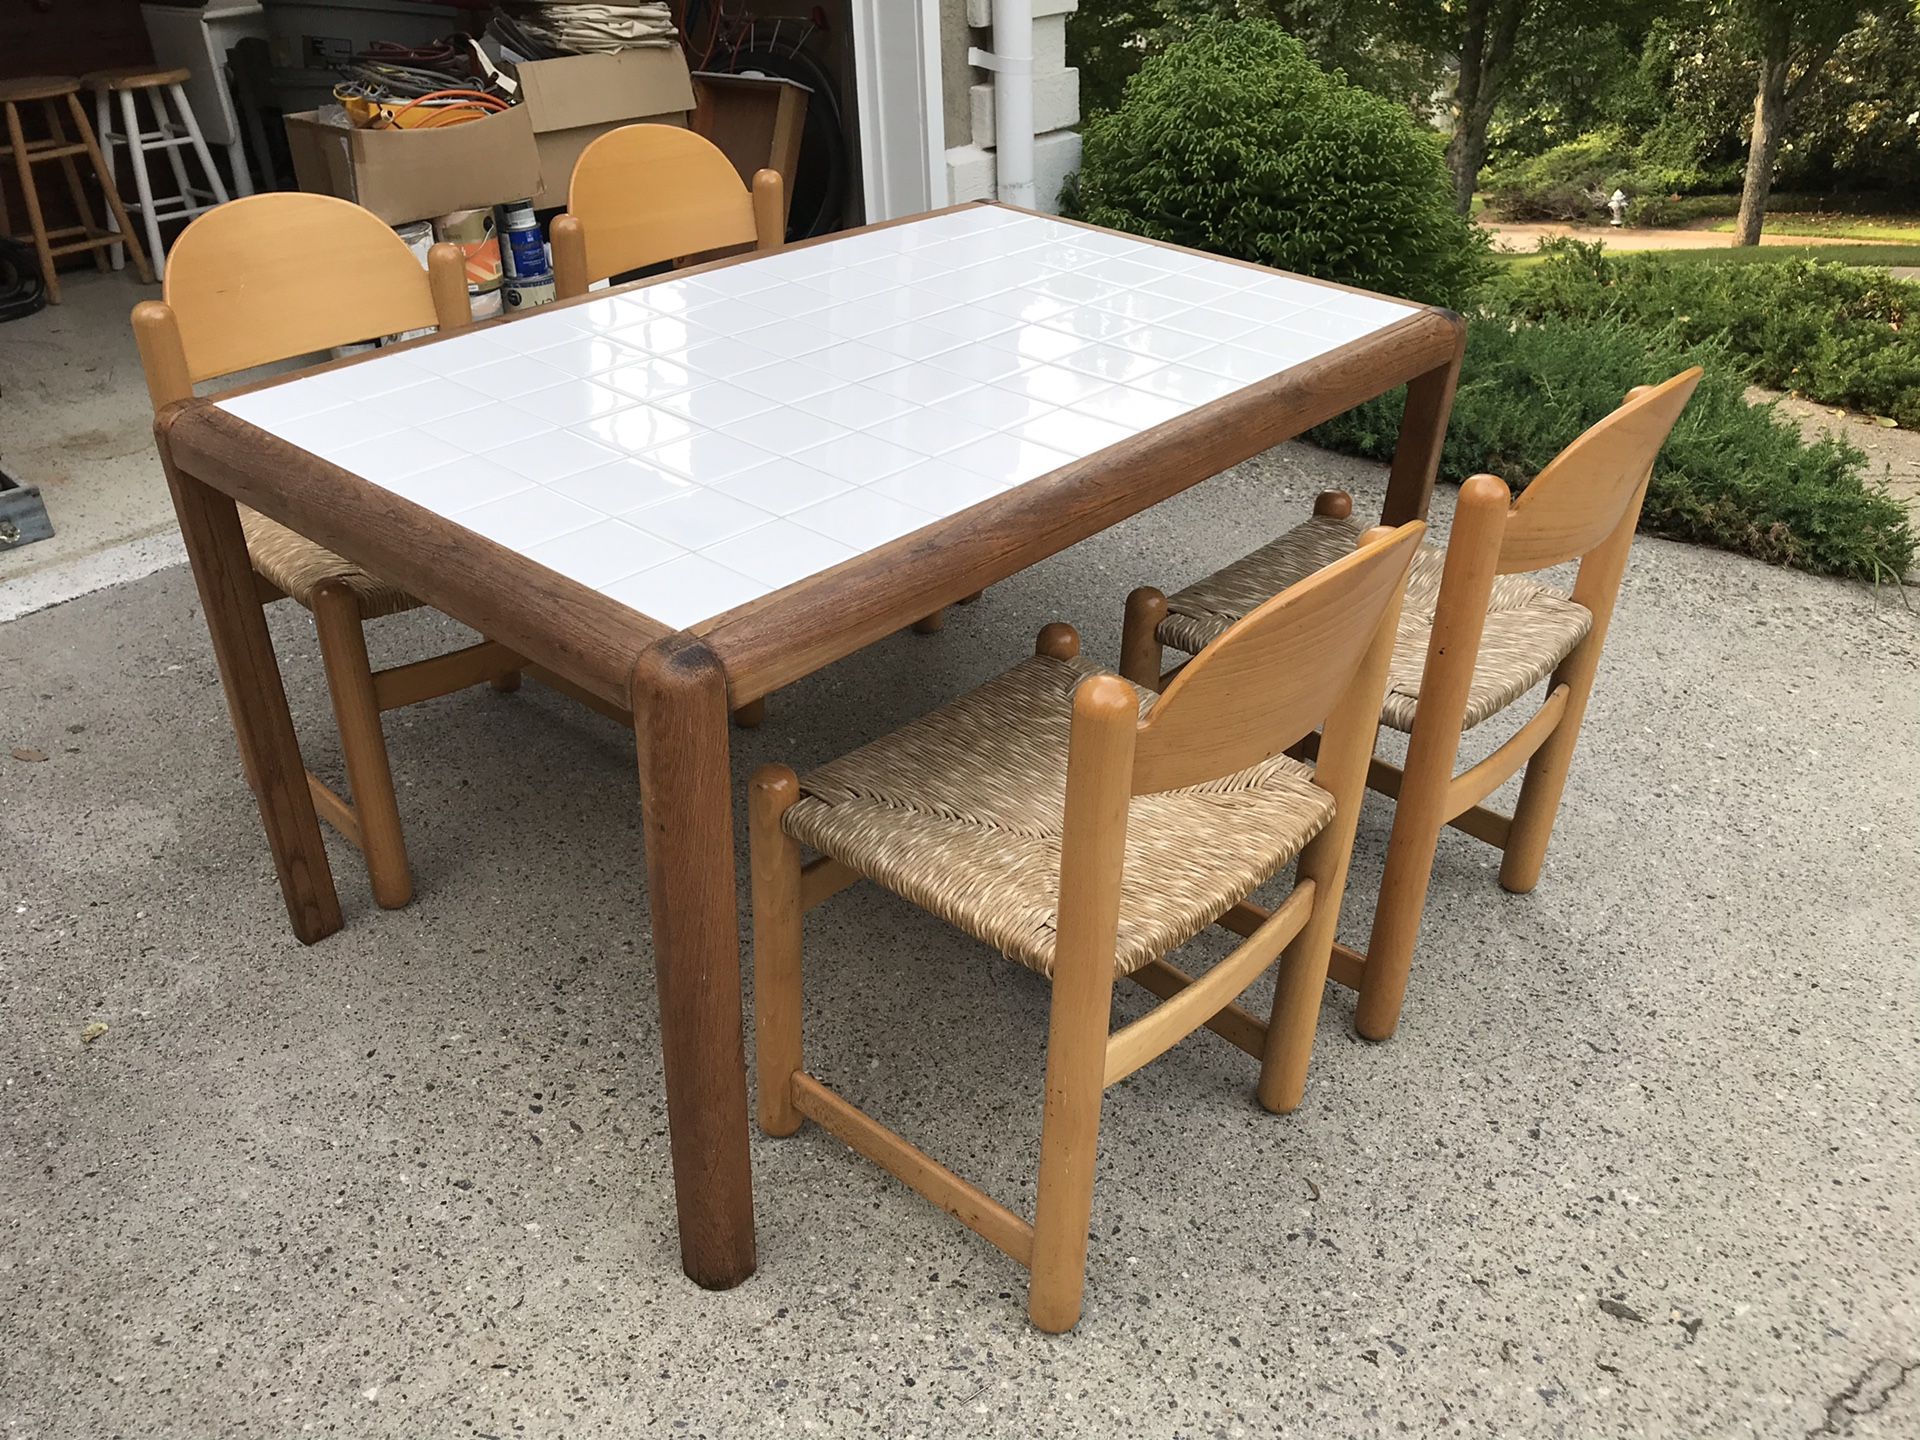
{"x": 506, "y": 684}
{"x": 1539, "y": 804}
{"x": 76, "y": 192}
{"x": 1069, "y": 1140}
{"x": 1417, "y": 822}
{"x": 343, "y": 648}
{"x": 137, "y": 155}
{"x": 931, "y": 624}
{"x": 198, "y": 142}
{"x": 102, "y": 128}
{"x": 751, "y": 715}
{"x": 110, "y": 191}
{"x": 777, "y": 914}
{"x": 17, "y": 138}
{"x": 1141, "y": 653}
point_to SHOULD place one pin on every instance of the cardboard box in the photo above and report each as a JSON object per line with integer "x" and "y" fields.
{"x": 403, "y": 175}
{"x": 756, "y": 120}
{"x": 576, "y": 99}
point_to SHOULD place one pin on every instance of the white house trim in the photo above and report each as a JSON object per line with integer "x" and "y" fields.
{"x": 903, "y": 160}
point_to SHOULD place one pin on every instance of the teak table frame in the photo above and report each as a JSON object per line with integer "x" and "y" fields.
{"x": 679, "y": 686}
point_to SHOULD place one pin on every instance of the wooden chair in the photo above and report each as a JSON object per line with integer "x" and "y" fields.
{"x": 1476, "y": 634}
{"x": 1085, "y": 829}
{"x": 274, "y": 276}
{"x": 644, "y": 195}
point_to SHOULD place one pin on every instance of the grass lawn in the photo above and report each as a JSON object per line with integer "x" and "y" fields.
{"x": 1621, "y": 243}
{"x": 1902, "y": 228}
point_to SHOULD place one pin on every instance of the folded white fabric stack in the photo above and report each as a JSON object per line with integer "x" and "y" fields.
{"x": 590, "y": 26}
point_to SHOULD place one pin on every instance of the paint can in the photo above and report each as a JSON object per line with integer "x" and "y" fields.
{"x": 473, "y": 231}
{"x": 523, "y": 254}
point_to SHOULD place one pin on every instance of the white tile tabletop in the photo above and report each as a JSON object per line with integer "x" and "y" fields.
{"x": 691, "y": 445}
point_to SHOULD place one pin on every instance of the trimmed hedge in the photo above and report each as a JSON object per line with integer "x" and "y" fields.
{"x": 1836, "y": 334}
{"x": 1233, "y": 140}
{"x": 1733, "y": 475}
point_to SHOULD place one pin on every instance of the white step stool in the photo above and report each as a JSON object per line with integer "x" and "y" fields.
{"x": 171, "y": 133}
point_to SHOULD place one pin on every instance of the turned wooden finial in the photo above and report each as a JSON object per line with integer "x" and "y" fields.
{"x": 1333, "y": 504}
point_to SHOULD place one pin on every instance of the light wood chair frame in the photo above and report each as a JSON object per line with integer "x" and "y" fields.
{"x": 1585, "y": 506}
{"x": 267, "y": 278}
{"x": 1313, "y": 657}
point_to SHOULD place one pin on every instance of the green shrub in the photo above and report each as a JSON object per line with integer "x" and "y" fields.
{"x": 1232, "y": 140}
{"x": 1839, "y": 335}
{"x": 1573, "y": 181}
{"x": 1733, "y": 475}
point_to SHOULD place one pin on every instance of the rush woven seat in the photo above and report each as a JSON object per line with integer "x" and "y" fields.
{"x": 298, "y": 567}
{"x": 960, "y": 812}
{"x": 1530, "y": 627}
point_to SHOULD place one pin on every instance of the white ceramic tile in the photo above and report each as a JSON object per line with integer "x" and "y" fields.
{"x": 278, "y": 405}
{"x": 528, "y": 518}
{"x": 1053, "y": 385}
{"x": 1072, "y": 432}
{"x": 1186, "y": 384}
{"x": 938, "y": 487}
{"x": 554, "y": 455}
{"x": 392, "y": 457}
{"x": 788, "y": 381}
{"x": 686, "y": 590}
{"x": 931, "y": 432}
{"x": 699, "y": 518}
{"x": 572, "y": 403}
{"x": 707, "y": 456}
{"x": 782, "y": 486}
{"x": 780, "y": 553}
{"x": 602, "y": 552}
{"x": 994, "y": 406}
{"x": 858, "y": 458}
{"x": 459, "y": 485}
{"x": 863, "y": 520}
{"x": 621, "y": 486}
{"x": 1008, "y": 458}
{"x": 784, "y": 430}
{"x": 419, "y": 404}
{"x": 1136, "y": 410}
{"x": 479, "y": 431}
{"x": 650, "y": 379}
{"x": 637, "y": 428}
{"x": 506, "y": 379}
{"x": 715, "y": 405}
{"x": 689, "y": 444}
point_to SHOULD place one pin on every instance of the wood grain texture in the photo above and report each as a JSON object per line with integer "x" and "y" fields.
{"x": 646, "y": 194}
{"x": 210, "y": 524}
{"x": 336, "y": 273}
{"x": 1275, "y": 674}
{"x": 679, "y": 703}
{"x": 778, "y": 909}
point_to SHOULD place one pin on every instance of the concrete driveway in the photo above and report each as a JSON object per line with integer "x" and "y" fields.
{"x": 1643, "y": 1160}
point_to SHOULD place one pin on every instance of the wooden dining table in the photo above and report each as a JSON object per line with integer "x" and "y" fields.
{"x": 672, "y": 498}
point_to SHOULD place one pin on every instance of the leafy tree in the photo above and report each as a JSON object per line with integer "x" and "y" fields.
{"x": 1792, "y": 40}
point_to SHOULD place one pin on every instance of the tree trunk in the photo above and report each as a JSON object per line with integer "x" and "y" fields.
{"x": 1769, "y": 124}
{"x": 1490, "y": 28}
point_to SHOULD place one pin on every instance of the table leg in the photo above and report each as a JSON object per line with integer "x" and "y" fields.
{"x": 257, "y": 701}
{"x": 1416, "y": 455}
{"x": 679, "y": 702}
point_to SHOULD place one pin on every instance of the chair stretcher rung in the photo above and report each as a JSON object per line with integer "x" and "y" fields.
{"x": 968, "y": 1204}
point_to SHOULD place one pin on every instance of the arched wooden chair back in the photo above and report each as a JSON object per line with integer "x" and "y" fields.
{"x": 1277, "y": 673}
{"x": 644, "y": 195}
{"x": 1580, "y": 499}
{"x": 273, "y": 276}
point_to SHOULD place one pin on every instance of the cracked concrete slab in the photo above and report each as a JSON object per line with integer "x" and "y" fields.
{"x": 1642, "y": 1161}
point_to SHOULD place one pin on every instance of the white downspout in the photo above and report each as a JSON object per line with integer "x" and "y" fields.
{"x": 1011, "y": 62}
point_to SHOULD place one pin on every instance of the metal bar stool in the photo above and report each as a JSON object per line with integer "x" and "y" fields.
{"x": 49, "y": 91}
{"x": 170, "y": 134}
